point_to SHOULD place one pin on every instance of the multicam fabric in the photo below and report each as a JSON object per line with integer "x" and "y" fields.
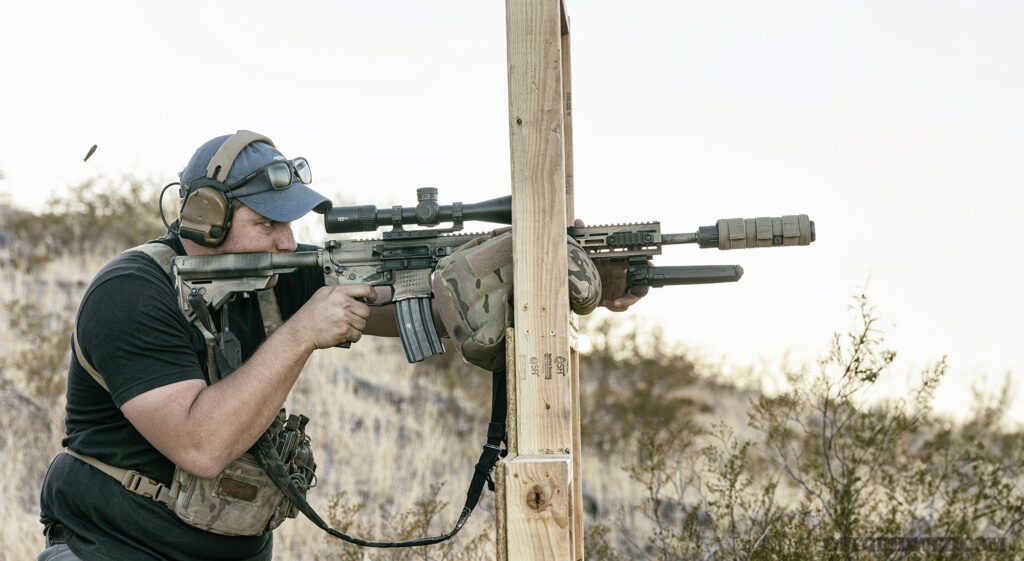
{"x": 240, "y": 501}
{"x": 243, "y": 500}
{"x": 473, "y": 287}
{"x": 584, "y": 280}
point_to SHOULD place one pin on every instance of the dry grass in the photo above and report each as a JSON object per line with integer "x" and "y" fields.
{"x": 32, "y": 423}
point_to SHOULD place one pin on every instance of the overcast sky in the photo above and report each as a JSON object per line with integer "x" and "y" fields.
{"x": 897, "y": 126}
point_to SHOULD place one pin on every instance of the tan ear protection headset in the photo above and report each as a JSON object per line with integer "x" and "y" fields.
{"x": 206, "y": 210}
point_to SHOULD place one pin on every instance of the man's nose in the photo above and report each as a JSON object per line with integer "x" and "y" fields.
{"x": 285, "y": 239}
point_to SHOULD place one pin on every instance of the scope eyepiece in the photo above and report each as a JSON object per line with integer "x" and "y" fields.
{"x": 346, "y": 219}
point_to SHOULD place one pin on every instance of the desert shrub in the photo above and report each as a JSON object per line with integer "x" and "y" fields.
{"x": 101, "y": 215}
{"x": 38, "y": 358}
{"x": 831, "y": 474}
{"x": 634, "y": 381}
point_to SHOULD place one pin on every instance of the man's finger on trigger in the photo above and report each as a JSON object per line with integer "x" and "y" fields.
{"x": 381, "y": 293}
{"x": 371, "y": 294}
{"x": 364, "y": 291}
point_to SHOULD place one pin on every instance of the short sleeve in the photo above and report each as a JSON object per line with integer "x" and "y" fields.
{"x": 134, "y": 334}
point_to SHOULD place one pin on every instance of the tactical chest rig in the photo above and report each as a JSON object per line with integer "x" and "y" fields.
{"x": 243, "y": 499}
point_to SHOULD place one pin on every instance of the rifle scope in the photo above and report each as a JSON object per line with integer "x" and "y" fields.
{"x": 367, "y": 218}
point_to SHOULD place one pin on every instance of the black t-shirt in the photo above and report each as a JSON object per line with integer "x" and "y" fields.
{"x": 132, "y": 331}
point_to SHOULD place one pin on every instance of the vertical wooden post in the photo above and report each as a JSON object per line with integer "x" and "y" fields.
{"x": 574, "y": 362}
{"x": 539, "y": 513}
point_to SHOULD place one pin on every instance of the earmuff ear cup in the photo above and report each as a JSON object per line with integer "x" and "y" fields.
{"x": 205, "y": 216}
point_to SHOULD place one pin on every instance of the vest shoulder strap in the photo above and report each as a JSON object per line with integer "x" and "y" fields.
{"x": 161, "y": 253}
{"x": 85, "y": 363}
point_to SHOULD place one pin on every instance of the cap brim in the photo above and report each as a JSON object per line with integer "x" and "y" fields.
{"x": 285, "y": 205}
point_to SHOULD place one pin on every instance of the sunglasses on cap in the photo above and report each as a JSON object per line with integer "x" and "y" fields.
{"x": 280, "y": 174}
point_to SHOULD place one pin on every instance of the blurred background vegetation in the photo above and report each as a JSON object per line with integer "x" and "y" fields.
{"x": 678, "y": 464}
{"x": 98, "y": 216}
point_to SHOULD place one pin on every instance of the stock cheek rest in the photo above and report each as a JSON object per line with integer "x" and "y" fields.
{"x": 473, "y": 290}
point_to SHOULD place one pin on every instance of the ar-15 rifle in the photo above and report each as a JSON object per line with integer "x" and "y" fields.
{"x": 404, "y": 259}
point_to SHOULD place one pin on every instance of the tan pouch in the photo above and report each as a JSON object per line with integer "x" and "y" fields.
{"x": 240, "y": 501}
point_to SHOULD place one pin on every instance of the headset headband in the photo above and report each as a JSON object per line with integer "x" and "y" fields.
{"x": 221, "y": 162}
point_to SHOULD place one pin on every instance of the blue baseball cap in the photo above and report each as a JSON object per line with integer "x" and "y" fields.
{"x": 281, "y": 205}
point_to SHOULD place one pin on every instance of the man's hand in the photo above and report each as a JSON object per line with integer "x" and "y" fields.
{"x": 615, "y": 294}
{"x": 334, "y": 315}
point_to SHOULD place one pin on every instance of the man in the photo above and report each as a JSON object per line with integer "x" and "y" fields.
{"x": 139, "y": 392}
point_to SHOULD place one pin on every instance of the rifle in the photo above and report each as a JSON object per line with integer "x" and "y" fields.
{"x": 404, "y": 259}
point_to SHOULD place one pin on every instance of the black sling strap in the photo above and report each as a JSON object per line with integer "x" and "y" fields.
{"x": 496, "y": 434}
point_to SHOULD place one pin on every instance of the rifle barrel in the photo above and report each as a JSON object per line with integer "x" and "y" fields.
{"x": 670, "y": 239}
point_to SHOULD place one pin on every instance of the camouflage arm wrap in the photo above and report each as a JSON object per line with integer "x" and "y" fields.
{"x": 473, "y": 289}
